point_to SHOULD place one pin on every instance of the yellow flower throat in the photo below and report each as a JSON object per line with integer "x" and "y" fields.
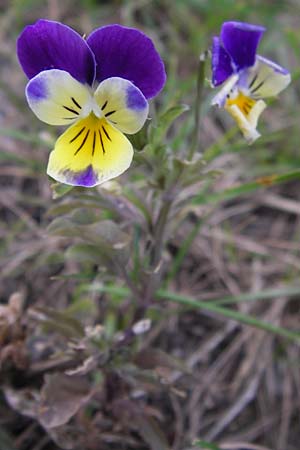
{"x": 244, "y": 103}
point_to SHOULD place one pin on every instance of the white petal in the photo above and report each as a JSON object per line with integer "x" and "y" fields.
{"x": 122, "y": 104}
{"x": 221, "y": 96}
{"x": 57, "y": 98}
{"x": 267, "y": 79}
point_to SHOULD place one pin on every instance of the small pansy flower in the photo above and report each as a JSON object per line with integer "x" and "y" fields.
{"x": 99, "y": 86}
{"x": 247, "y": 77}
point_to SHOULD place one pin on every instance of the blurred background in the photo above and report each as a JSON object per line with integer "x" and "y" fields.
{"x": 209, "y": 378}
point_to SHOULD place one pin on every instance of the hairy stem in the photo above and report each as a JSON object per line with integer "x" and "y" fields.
{"x": 198, "y": 102}
{"x": 153, "y": 280}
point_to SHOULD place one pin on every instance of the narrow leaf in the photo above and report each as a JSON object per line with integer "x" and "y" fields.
{"x": 242, "y": 189}
{"x": 60, "y": 189}
{"x": 206, "y": 445}
{"x": 157, "y": 133}
{"x": 213, "y": 306}
{"x": 151, "y": 433}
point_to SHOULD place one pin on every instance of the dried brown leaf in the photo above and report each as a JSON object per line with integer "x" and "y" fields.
{"x": 24, "y": 401}
{"x": 61, "y": 397}
{"x": 11, "y": 312}
{"x": 68, "y": 437}
{"x": 151, "y": 432}
{"x": 241, "y": 445}
{"x": 151, "y": 358}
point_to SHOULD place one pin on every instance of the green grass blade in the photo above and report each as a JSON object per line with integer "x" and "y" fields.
{"x": 206, "y": 445}
{"x": 230, "y": 314}
{"x": 268, "y": 294}
{"x": 183, "y": 250}
{"x": 215, "y": 305}
{"x": 25, "y": 137}
{"x": 229, "y": 194}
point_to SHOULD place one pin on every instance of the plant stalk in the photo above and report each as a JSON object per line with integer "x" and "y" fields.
{"x": 198, "y": 103}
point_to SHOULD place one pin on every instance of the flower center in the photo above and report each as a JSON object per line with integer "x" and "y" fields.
{"x": 244, "y": 103}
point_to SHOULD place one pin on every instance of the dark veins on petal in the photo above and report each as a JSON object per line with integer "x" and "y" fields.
{"x": 106, "y": 133}
{"x": 101, "y": 140}
{"x": 94, "y": 143}
{"x": 77, "y": 135}
{"x": 75, "y": 102}
{"x": 83, "y": 142}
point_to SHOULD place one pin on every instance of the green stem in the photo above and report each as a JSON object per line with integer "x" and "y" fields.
{"x": 159, "y": 231}
{"x": 153, "y": 280}
{"x": 200, "y": 87}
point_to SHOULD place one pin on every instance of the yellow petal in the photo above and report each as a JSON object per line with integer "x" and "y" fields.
{"x": 90, "y": 153}
{"x": 246, "y": 111}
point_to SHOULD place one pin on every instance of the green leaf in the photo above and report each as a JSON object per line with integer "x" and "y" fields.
{"x": 106, "y": 235}
{"x": 140, "y": 140}
{"x": 139, "y": 204}
{"x": 196, "y": 163}
{"x": 84, "y": 253}
{"x": 84, "y": 216}
{"x": 68, "y": 207}
{"x": 157, "y": 132}
{"x": 206, "y": 445}
{"x": 60, "y": 321}
{"x": 171, "y": 115}
{"x": 60, "y": 189}
{"x": 62, "y": 226}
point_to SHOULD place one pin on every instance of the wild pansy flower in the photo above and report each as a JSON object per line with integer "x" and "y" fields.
{"x": 99, "y": 86}
{"x": 247, "y": 77}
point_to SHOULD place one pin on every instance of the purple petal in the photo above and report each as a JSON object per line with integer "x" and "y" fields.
{"x": 128, "y": 53}
{"x": 240, "y": 41}
{"x": 86, "y": 178}
{"x": 220, "y": 63}
{"x": 135, "y": 100}
{"x": 52, "y": 45}
{"x": 37, "y": 89}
